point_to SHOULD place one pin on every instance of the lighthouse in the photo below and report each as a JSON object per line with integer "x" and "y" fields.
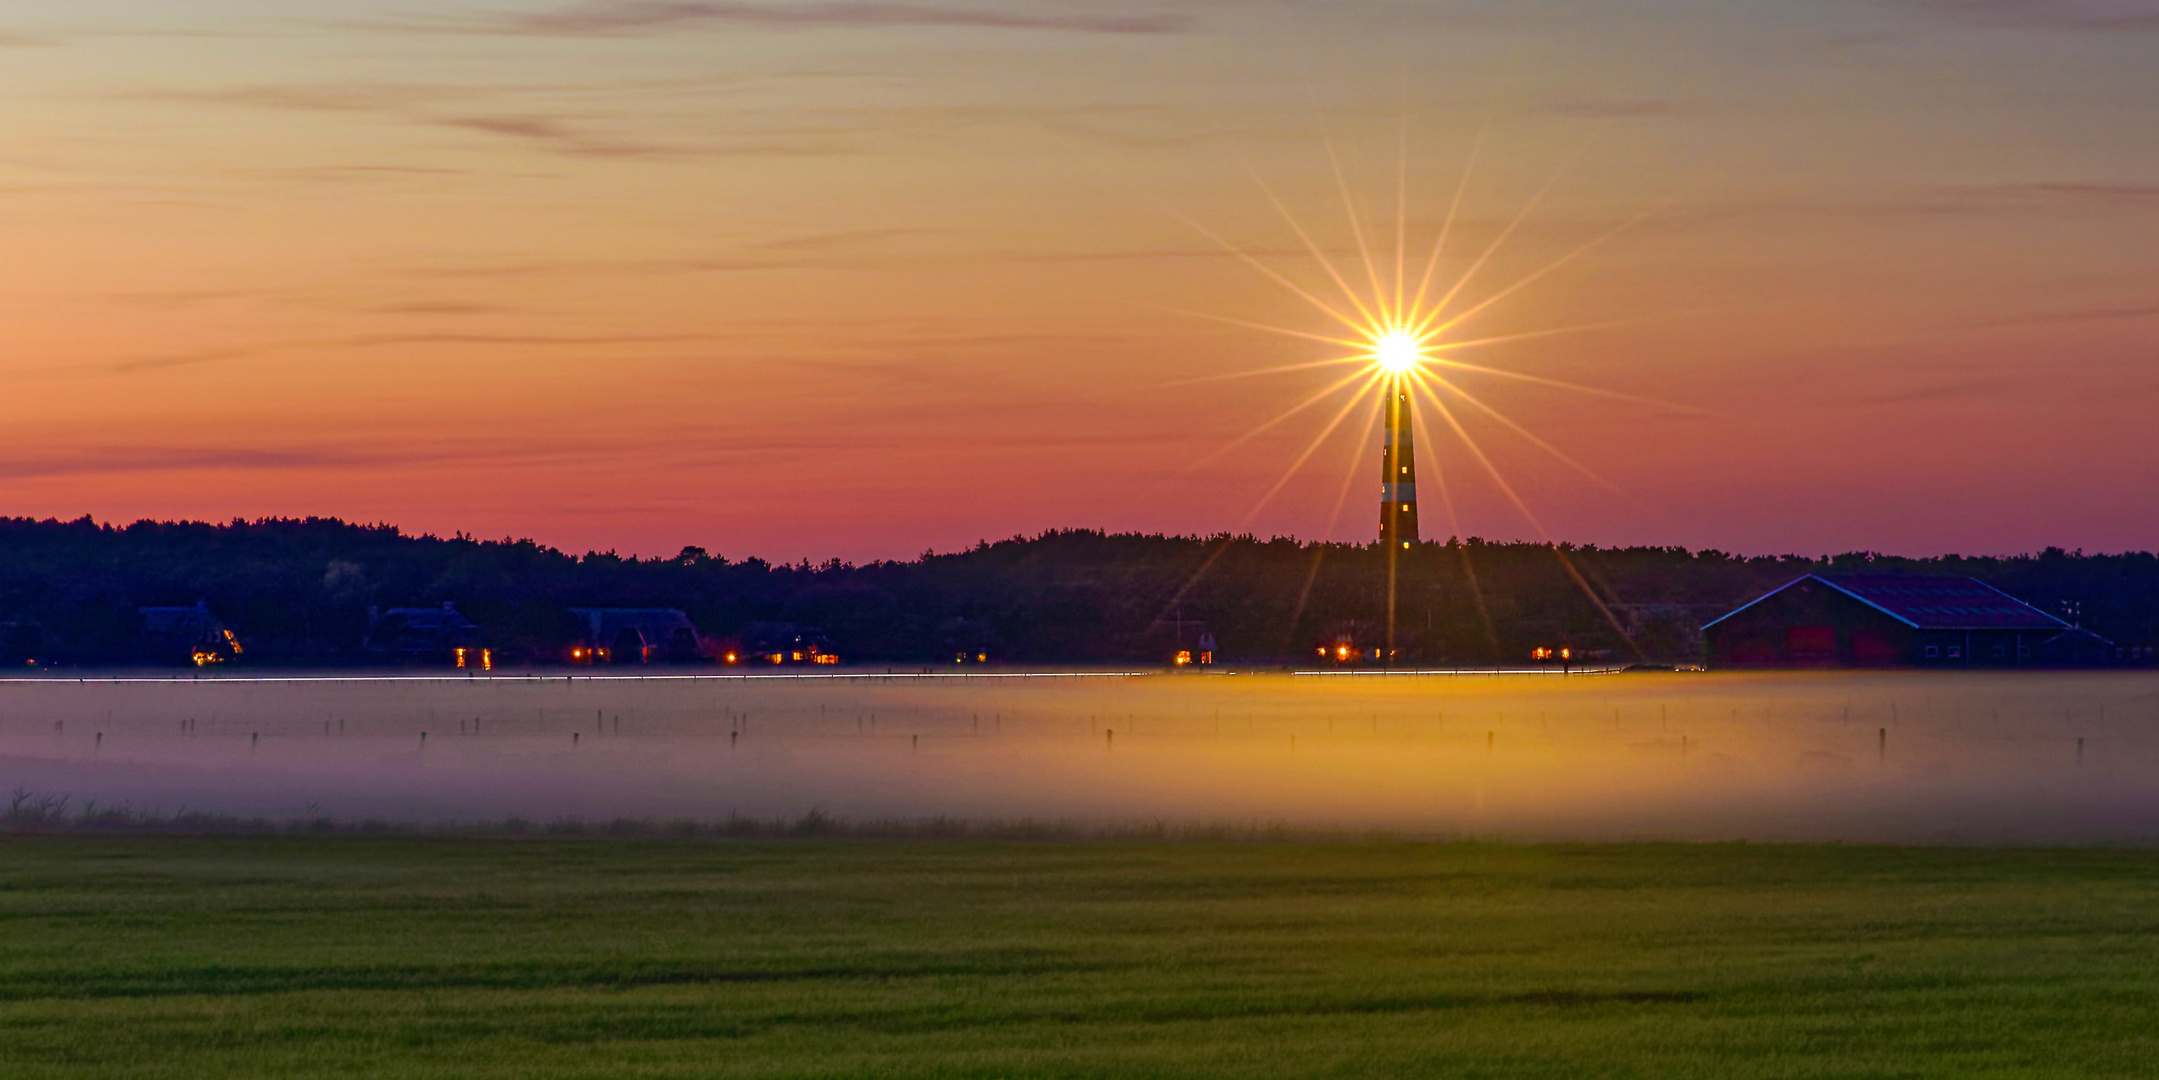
{"x": 1398, "y": 473}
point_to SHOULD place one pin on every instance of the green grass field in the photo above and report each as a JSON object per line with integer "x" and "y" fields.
{"x": 274, "y": 956}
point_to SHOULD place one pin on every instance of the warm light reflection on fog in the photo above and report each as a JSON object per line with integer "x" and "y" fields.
{"x": 1891, "y": 756}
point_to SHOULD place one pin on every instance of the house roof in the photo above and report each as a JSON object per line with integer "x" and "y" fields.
{"x": 181, "y": 620}
{"x": 446, "y": 617}
{"x": 1927, "y": 602}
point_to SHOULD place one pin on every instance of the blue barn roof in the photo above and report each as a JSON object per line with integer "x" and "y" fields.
{"x": 1926, "y": 602}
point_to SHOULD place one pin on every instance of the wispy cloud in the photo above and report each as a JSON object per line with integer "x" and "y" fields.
{"x": 428, "y": 105}
{"x": 552, "y": 340}
{"x": 852, "y": 239}
{"x": 1956, "y": 390}
{"x": 598, "y": 17}
{"x": 438, "y": 307}
{"x": 2113, "y": 313}
{"x": 369, "y": 170}
{"x": 835, "y": 254}
{"x": 2050, "y": 195}
{"x": 187, "y": 359}
{"x": 93, "y": 461}
{"x": 11, "y": 40}
{"x": 1940, "y": 201}
{"x": 333, "y": 97}
{"x": 557, "y": 135}
{"x": 470, "y": 110}
{"x": 367, "y": 453}
{"x": 137, "y": 365}
{"x": 2135, "y": 193}
{"x": 356, "y": 175}
{"x": 1612, "y": 109}
{"x": 2087, "y": 15}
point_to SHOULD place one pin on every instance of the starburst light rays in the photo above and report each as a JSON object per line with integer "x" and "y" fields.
{"x": 1270, "y": 274}
{"x": 1518, "y": 286}
{"x": 1400, "y": 334}
{"x": 1319, "y": 255}
{"x": 1403, "y": 337}
{"x": 1362, "y": 396}
{"x": 1473, "y": 402}
{"x": 1322, "y": 394}
{"x": 1446, "y": 228}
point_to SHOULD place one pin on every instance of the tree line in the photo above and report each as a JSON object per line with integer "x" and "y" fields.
{"x": 299, "y": 592}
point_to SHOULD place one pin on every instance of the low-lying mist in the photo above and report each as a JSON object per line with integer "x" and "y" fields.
{"x": 1891, "y": 756}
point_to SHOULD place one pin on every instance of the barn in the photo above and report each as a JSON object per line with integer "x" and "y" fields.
{"x": 634, "y": 636}
{"x": 427, "y": 635}
{"x": 189, "y": 634}
{"x": 1885, "y": 620}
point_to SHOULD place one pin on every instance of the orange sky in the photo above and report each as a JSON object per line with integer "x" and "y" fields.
{"x": 857, "y": 279}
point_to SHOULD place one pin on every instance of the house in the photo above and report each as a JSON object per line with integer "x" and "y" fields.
{"x": 2078, "y": 647}
{"x": 188, "y": 635}
{"x": 1351, "y": 642}
{"x": 634, "y": 636}
{"x": 1891, "y": 620}
{"x": 782, "y": 643}
{"x": 428, "y": 635}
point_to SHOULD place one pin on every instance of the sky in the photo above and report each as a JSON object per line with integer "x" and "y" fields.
{"x": 864, "y": 279}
